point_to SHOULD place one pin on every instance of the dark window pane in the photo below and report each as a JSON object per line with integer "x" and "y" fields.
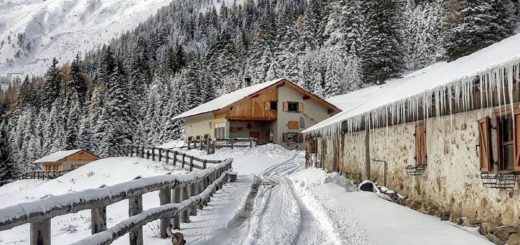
{"x": 293, "y": 106}
{"x": 274, "y": 106}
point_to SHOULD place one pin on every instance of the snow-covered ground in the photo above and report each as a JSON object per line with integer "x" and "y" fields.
{"x": 274, "y": 201}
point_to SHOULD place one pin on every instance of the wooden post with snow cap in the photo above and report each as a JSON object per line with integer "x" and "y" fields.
{"x": 208, "y": 141}
{"x": 153, "y": 153}
{"x": 135, "y": 208}
{"x": 183, "y": 159}
{"x": 41, "y": 232}
{"x": 185, "y": 196}
{"x": 177, "y": 199}
{"x": 204, "y": 163}
{"x": 165, "y": 198}
{"x": 98, "y": 219}
{"x": 194, "y": 191}
{"x": 232, "y": 141}
{"x": 191, "y": 163}
{"x": 160, "y": 154}
{"x": 250, "y": 142}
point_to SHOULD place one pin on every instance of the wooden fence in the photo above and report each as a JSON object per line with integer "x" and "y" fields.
{"x": 167, "y": 156}
{"x": 235, "y": 142}
{"x": 180, "y": 196}
{"x": 43, "y": 174}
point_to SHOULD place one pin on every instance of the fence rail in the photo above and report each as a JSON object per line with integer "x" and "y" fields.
{"x": 167, "y": 156}
{"x": 180, "y": 196}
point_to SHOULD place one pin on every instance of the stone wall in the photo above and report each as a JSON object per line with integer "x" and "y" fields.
{"x": 451, "y": 183}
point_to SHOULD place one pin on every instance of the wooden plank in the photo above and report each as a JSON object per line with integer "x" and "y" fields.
{"x": 98, "y": 219}
{"x": 40, "y": 232}
{"x": 485, "y": 145}
{"x": 136, "y": 207}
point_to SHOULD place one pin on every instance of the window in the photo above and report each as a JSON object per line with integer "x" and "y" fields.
{"x": 506, "y": 151}
{"x": 420, "y": 144}
{"x": 505, "y": 154}
{"x": 273, "y": 105}
{"x": 292, "y": 106}
{"x": 292, "y": 138}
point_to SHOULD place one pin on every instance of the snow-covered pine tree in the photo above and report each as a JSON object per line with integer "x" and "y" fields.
{"x": 7, "y": 168}
{"x": 77, "y": 80}
{"x": 51, "y": 88}
{"x": 381, "y": 51}
{"x": 471, "y": 25}
{"x": 118, "y": 118}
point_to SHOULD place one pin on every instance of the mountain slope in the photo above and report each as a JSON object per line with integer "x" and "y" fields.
{"x": 32, "y": 32}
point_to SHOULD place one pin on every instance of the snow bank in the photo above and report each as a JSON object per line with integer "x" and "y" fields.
{"x": 364, "y": 218}
{"x": 313, "y": 177}
{"x": 440, "y": 85}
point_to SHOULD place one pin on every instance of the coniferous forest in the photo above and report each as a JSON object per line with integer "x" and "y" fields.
{"x": 128, "y": 91}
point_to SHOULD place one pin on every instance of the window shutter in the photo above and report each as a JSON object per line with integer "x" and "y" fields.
{"x": 285, "y": 137}
{"x": 500, "y": 153}
{"x": 300, "y": 107}
{"x": 267, "y": 106}
{"x": 517, "y": 140}
{"x": 420, "y": 144}
{"x": 285, "y": 106}
{"x": 300, "y": 138}
{"x": 485, "y": 144}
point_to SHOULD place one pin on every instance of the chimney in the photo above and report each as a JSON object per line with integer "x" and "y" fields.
{"x": 247, "y": 81}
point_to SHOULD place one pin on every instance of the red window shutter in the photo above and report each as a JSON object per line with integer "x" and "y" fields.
{"x": 486, "y": 154}
{"x": 301, "y": 107}
{"x": 285, "y": 106}
{"x": 285, "y": 137}
{"x": 517, "y": 140}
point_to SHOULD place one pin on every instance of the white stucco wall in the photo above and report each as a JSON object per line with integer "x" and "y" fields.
{"x": 312, "y": 114}
{"x": 199, "y": 125}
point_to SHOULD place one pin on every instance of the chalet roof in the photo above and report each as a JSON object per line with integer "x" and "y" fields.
{"x": 57, "y": 156}
{"x": 396, "y": 97}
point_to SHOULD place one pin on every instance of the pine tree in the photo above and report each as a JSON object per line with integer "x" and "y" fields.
{"x": 77, "y": 81}
{"x": 471, "y": 25}
{"x": 381, "y": 51}
{"x": 7, "y": 169}
{"x": 51, "y": 88}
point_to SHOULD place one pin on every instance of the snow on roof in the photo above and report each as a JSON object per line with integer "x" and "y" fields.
{"x": 227, "y": 99}
{"x": 56, "y": 156}
{"x": 494, "y": 65}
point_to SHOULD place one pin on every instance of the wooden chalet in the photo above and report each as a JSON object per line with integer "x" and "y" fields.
{"x": 271, "y": 112}
{"x": 66, "y": 160}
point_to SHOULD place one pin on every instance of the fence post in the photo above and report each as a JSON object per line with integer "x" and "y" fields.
{"x": 250, "y": 142}
{"x": 177, "y": 199}
{"x": 204, "y": 163}
{"x": 136, "y": 207}
{"x": 232, "y": 142}
{"x": 186, "y": 196}
{"x": 165, "y": 198}
{"x": 191, "y": 163}
{"x": 174, "y": 158}
{"x": 147, "y": 154}
{"x": 208, "y": 140}
{"x": 201, "y": 187}
{"x": 183, "y": 161}
{"x": 142, "y": 151}
{"x": 167, "y": 156}
{"x": 194, "y": 192}
{"x": 98, "y": 219}
{"x": 41, "y": 233}
{"x": 160, "y": 154}
{"x": 153, "y": 153}
{"x": 189, "y": 141}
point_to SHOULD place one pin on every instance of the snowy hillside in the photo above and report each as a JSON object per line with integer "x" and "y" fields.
{"x": 32, "y": 32}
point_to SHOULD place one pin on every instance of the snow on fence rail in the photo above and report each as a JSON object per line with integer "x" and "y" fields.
{"x": 180, "y": 196}
{"x": 163, "y": 155}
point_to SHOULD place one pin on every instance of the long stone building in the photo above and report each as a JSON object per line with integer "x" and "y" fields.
{"x": 447, "y": 136}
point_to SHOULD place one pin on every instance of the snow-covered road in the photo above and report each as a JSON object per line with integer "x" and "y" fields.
{"x": 274, "y": 201}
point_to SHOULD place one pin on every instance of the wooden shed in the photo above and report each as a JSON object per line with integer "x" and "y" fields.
{"x": 66, "y": 160}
